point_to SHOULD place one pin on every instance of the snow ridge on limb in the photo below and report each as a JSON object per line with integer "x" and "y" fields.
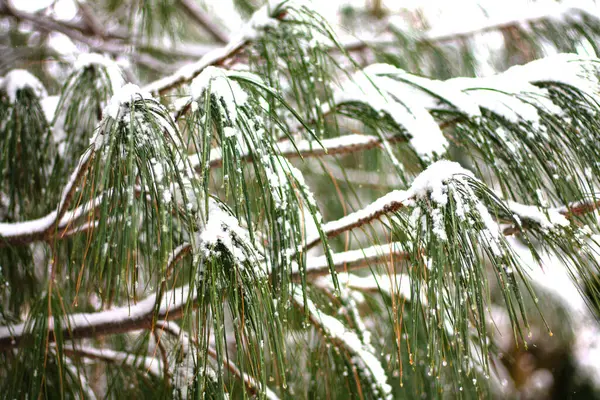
{"x": 361, "y": 354}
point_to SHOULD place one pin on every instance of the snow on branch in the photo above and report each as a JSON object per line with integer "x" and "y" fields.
{"x": 361, "y": 354}
{"x": 382, "y": 95}
{"x": 308, "y": 148}
{"x": 388, "y": 204}
{"x": 430, "y": 183}
{"x": 116, "y": 320}
{"x": 517, "y": 95}
{"x": 349, "y": 260}
{"x": 148, "y": 364}
{"x": 113, "y": 71}
{"x": 262, "y": 19}
{"x": 38, "y": 229}
{"x": 391, "y": 285}
{"x": 519, "y": 16}
{"x": 19, "y": 79}
{"x": 223, "y": 228}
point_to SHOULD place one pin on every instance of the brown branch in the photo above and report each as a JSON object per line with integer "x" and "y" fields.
{"x": 353, "y": 259}
{"x": 44, "y": 228}
{"x": 195, "y": 12}
{"x": 214, "y": 58}
{"x": 163, "y": 355}
{"x": 149, "y": 364}
{"x": 94, "y": 42}
{"x": 178, "y": 253}
{"x": 387, "y": 204}
{"x": 307, "y": 148}
{"x": 94, "y": 24}
{"x": 109, "y": 322}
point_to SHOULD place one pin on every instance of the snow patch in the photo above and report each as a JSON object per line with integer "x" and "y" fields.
{"x": 19, "y": 79}
{"x": 224, "y": 228}
{"x": 362, "y": 354}
{"x": 86, "y": 60}
{"x": 432, "y": 183}
{"x": 378, "y": 92}
{"x": 122, "y": 99}
{"x": 229, "y": 92}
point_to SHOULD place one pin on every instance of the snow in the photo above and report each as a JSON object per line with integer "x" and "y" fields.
{"x": 392, "y": 285}
{"x": 19, "y": 79}
{"x": 320, "y": 263}
{"x": 251, "y": 31}
{"x": 362, "y": 354}
{"x": 26, "y": 228}
{"x": 437, "y": 88}
{"x": 122, "y": 99}
{"x": 511, "y": 95}
{"x": 86, "y": 60}
{"x": 261, "y": 21}
{"x": 224, "y": 228}
{"x": 49, "y": 105}
{"x": 216, "y": 81}
{"x": 396, "y": 198}
{"x": 426, "y": 137}
{"x": 148, "y": 364}
{"x": 432, "y": 183}
{"x": 568, "y": 69}
{"x": 172, "y": 301}
{"x": 548, "y": 219}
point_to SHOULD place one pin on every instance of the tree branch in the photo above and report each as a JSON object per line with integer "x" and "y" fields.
{"x": 252, "y": 386}
{"x": 309, "y": 148}
{"x": 389, "y": 203}
{"x": 195, "y": 12}
{"x": 215, "y": 57}
{"x": 353, "y": 259}
{"x": 113, "y": 321}
{"x": 43, "y": 228}
{"x": 94, "y": 42}
{"x": 149, "y": 364}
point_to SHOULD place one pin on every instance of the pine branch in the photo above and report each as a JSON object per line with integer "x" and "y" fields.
{"x": 147, "y": 364}
{"x": 96, "y": 43}
{"x": 214, "y": 58}
{"x": 361, "y": 355}
{"x": 81, "y": 379}
{"x": 520, "y": 17}
{"x": 43, "y": 228}
{"x": 253, "y": 387}
{"x": 387, "y": 204}
{"x": 117, "y": 320}
{"x": 195, "y": 12}
{"x": 178, "y": 253}
{"x": 308, "y": 148}
{"x": 392, "y": 285}
{"x": 353, "y": 259}
{"x": 94, "y": 24}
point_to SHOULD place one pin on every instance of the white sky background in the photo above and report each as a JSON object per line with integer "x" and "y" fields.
{"x": 440, "y": 14}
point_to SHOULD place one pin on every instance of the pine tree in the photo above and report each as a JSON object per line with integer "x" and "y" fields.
{"x": 291, "y": 215}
